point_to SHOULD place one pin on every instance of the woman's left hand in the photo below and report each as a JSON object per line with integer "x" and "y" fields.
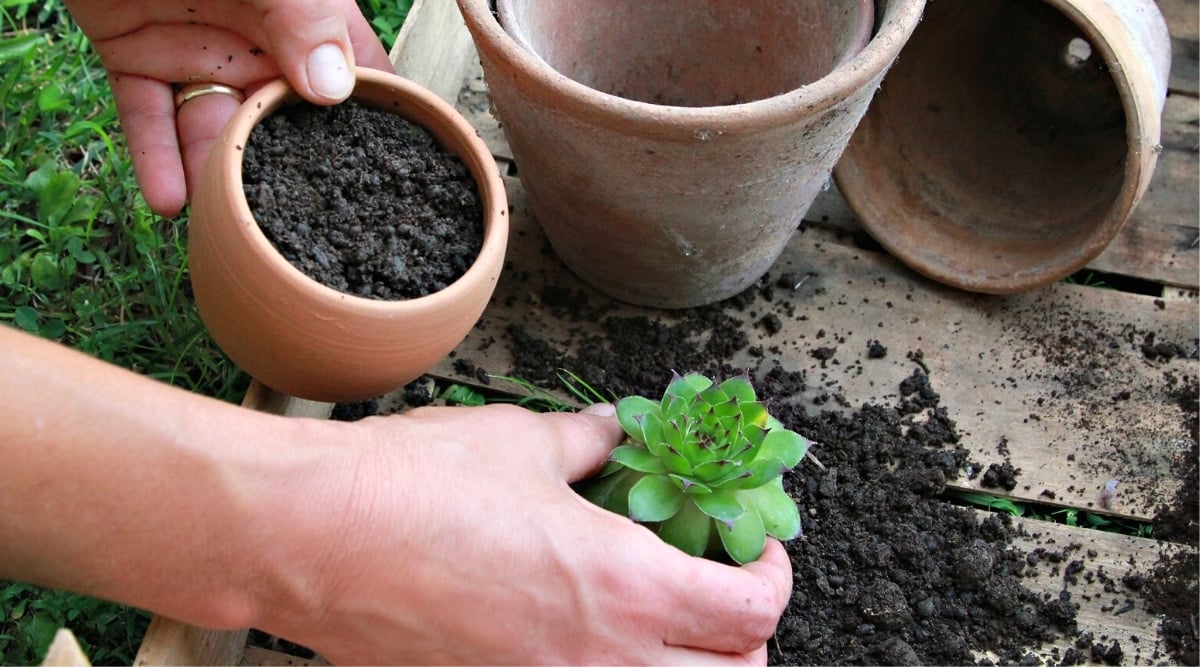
{"x": 151, "y": 49}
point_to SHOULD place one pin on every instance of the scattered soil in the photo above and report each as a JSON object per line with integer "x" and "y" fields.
{"x": 1170, "y": 585}
{"x": 362, "y": 200}
{"x": 887, "y": 571}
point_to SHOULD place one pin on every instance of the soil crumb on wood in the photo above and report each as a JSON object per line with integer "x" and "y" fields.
{"x": 1170, "y": 585}
{"x": 362, "y": 200}
{"x": 886, "y": 572}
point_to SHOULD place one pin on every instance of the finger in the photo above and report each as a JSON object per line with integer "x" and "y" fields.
{"x": 311, "y": 42}
{"x": 368, "y": 50}
{"x": 733, "y": 610}
{"x": 147, "y": 113}
{"x": 585, "y": 440}
{"x": 200, "y": 121}
{"x": 194, "y": 52}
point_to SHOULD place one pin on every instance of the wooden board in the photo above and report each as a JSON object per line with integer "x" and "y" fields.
{"x": 1007, "y": 380}
{"x": 1004, "y": 375}
{"x": 435, "y": 50}
{"x": 1107, "y": 609}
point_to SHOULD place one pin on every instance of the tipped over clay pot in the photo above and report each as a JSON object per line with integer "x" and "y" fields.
{"x": 1012, "y": 139}
{"x": 298, "y": 336}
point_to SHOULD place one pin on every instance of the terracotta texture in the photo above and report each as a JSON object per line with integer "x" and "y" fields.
{"x": 670, "y": 149}
{"x": 1012, "y": 139}
{"x": 298, "y": 336}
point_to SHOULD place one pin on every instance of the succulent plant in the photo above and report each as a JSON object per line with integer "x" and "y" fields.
{"x": 703, "y": 468}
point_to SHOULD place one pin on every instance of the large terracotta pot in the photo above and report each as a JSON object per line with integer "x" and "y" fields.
{"x": 298, "y": 336}
{"x": 1012, "y": 139}
{"x": 670, "y": 149}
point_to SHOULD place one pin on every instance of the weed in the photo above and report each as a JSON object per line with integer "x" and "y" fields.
{"x": 1068, "y": 516}
{"x": 528, "y": 395}
{"x": 386, "y": 17}
{"x": 29, "y": 616}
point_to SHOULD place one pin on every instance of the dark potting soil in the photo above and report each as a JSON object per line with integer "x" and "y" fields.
{"x": 362, "y": 200}
{"x": 887, "y": 571}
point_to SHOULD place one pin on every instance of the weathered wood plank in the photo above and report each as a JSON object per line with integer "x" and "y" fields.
{"x": 1054, "y": 381}
{"x": 473, "y": 103}
{"x": 265, "y": 657}
{"x": 64, "y": 651}
{"x": 1183, "y": 18}
{"x": 1115, "y": 614}
{"x": 171, "y": 642}
{"x": 434, "y": 48}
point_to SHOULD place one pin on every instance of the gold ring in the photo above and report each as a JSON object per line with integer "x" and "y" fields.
{"x": 194, "y": 90}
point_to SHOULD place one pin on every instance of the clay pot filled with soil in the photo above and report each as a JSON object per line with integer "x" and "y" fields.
{"x": 337, "y": 253}
{"x": 670, "y": 149}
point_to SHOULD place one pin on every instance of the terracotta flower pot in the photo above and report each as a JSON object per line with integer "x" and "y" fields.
{"x": 298, "y": 336}
{"x": 1012, "y": 139}
{"x": 670, "y": 149}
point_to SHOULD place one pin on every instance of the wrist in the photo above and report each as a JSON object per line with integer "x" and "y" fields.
{"x": 298, "y": 501}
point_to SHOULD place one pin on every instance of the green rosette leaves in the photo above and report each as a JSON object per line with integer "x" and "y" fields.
{"x": 703, "y": 467}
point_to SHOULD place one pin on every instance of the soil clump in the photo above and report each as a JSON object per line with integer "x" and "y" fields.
{"x": 362, "y": 200}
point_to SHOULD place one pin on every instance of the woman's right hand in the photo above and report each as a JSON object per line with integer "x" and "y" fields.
{"x": 451, "y": 535}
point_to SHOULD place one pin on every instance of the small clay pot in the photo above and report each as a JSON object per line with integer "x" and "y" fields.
{"x": 298, "y": 336}
{"x": 1012, "y": 139}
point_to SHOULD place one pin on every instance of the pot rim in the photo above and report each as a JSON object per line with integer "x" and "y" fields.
{"x": 536, "y": 79}
{"x": 229, "y": 149}
{"x": 1143, "y": 112}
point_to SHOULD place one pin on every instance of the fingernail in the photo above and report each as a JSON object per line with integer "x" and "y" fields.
{"x": 328, "y": 72}
{"x": 600, "y": 409}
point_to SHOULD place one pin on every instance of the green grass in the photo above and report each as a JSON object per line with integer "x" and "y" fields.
{"x": 527, "y": 395}
{"x": 1068, "y": 516}
{"x": 84, "y": 262}
{"x": 386, "y": 16}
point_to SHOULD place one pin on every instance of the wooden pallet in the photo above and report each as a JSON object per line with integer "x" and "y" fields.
{"x": 991, "y": 357}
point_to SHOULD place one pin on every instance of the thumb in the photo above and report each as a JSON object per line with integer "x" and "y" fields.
{"x": 311, "y": 42}
{"x": 586, "y": 438}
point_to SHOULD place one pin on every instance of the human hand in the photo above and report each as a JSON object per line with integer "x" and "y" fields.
{"x": 150, "y": 47}
{"x": 461, "y": 542}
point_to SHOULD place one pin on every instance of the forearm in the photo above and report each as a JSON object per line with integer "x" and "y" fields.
{"x": 120, "y": 487}
{"x": 443, "y": 535}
